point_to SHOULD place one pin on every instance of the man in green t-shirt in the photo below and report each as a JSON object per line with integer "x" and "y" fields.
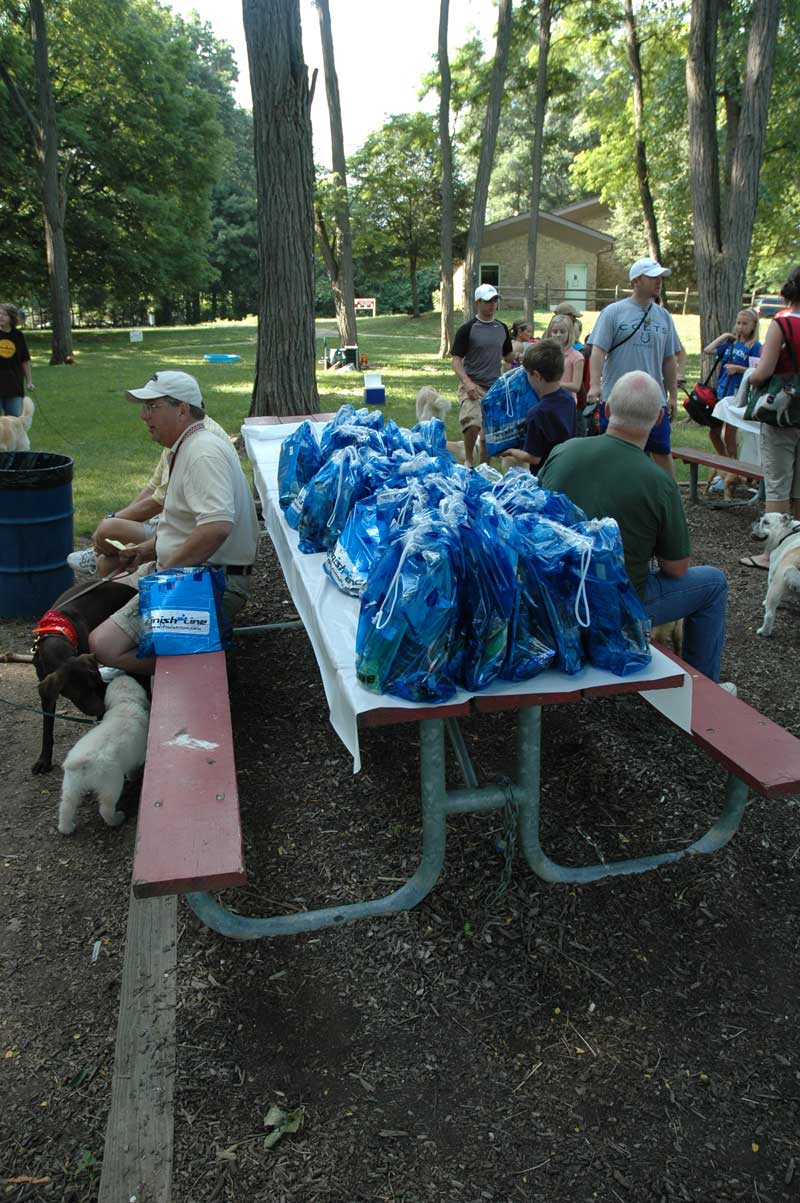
{"x": 610, "y": 476}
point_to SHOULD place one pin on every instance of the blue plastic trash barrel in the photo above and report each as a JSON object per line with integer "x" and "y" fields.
{"x": 35, "y": 531}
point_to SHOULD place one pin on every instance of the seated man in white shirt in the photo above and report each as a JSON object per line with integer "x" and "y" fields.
{"x": 208, "y": 515}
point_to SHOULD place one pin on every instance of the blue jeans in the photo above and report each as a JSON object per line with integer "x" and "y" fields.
{"x": 700, "y": 598}
{"x": 11, "y": 406}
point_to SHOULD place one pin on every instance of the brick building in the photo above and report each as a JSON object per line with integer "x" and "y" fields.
{"x": 574, "y": 257}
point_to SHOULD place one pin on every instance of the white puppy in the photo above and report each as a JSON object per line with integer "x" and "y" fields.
{"x": 100, "y": 761}
{"x": 781, "y": 533}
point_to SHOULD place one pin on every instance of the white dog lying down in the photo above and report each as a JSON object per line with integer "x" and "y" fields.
{"x": 782, "y": 535}
{"x": 102, "y": 759}
{"x": 431, "y": 405}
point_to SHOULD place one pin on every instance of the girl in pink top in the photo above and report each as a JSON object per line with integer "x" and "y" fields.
{"x": 561, "y": 329}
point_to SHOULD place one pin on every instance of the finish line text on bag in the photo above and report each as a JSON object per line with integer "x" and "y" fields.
{"x": 180, "y": 622}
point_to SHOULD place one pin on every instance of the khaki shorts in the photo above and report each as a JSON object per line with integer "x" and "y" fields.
{"x": 237, "y": 591}
{"x": 470, "y": 412}
{"x": 780, "y": 459}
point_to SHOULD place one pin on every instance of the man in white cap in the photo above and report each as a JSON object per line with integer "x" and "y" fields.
{"x": 478, "y": 347}
{"x": 638, "y": 335}
{"x": 208, "y": 514}
{"x": 137, "y": 521}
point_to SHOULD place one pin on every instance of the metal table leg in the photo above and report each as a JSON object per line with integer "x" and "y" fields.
{"x": 528, "y": 793}
{"x": 437, "y": 803}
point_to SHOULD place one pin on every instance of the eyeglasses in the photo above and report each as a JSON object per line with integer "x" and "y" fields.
{"x": 150, "y": 407}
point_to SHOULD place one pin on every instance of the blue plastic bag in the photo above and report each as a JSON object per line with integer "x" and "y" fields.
{"x": 363, "y": 540}
{"x": 181, "y": 612}
{"x": 505, "y": 409}
{"x": 354, "y": 434}
{"x": 300, "y": 460}
{"x": 487, "y": 591}
{"x": 618, "y": 636}
{"x": 553, "y": 561}
{"x": 430, "y": 435}
{"x": 328, "y": 500}
{"x": 406, "y": 642}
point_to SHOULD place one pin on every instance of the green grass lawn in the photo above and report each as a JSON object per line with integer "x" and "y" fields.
{"x": 81, "y": 410}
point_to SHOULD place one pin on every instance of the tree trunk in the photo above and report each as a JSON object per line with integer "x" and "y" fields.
{"x": 412, "y": 273}
{"x": 642, "y": 173}
{"x": 545, "y": 14}
{"x": 446, "y": 190}
{"x": 722, "y": 245}
{"x": 53, "y": 191}
{"x": 343, "y": 287}
{"x": 488, "y": 141}
{"x": 286, "y": 379}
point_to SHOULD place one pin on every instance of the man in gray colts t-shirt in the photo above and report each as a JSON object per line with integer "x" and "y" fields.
{"x": 636, "y": 334}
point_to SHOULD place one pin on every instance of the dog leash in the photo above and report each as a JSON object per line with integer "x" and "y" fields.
{"x": 67, "y": 718}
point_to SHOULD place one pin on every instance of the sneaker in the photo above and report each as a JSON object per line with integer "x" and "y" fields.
{"x": 730, "y": 688}
{"x": 718, "y": 485}
{"x": 108, "y": 674}
{"x": 83, "y": 561}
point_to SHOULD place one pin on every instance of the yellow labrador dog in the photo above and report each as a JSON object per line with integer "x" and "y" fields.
{"x": 14, "y": 431}
{"x": 781, "y": 534}
{"x": 431, "y": 405}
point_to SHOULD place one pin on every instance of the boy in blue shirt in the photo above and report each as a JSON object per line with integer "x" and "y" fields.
{"x": 552, "y": 419}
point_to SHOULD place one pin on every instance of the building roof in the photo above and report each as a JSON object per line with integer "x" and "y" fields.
{"x": 553, "y": 225}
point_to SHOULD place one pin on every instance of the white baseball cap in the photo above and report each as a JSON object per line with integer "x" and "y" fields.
{"x": 485, "y": 292}
{"x": 180, "y": 386}
{"x": 648, "y": 267}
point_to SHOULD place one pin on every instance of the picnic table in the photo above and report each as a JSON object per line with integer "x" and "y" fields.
{"x": 330, "y": 620}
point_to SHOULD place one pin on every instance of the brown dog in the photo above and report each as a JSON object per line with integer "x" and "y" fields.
{"x": 61, "y": 654}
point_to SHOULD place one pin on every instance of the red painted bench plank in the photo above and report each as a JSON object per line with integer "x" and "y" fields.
{"x": 749, "y": 745}
{"x": 690, "y": 455}
{"x": 189, "y": 834}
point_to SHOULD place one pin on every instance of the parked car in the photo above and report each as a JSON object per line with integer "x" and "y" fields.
{"x": 768, "y": 306}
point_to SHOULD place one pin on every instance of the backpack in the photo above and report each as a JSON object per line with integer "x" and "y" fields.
{"x": 586, "y": 352}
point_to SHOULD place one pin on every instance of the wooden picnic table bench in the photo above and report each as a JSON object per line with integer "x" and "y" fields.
{"x": 722, "y": 463}
{"x": 757, "y": 752}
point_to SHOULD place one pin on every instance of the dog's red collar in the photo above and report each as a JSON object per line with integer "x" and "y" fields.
{"x": 54, "y": 623}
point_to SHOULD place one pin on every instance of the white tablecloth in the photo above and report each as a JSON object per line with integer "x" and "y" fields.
{"x": 331, "y": 619}
{"x": 731, "y": 410}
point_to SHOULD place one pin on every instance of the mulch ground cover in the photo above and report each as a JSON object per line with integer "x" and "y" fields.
{"x": 636, "y": 1039}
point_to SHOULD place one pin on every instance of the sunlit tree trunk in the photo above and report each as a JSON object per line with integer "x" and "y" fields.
{"x": 285, "y": 369}
{"x": 491, "y": 124}
{"x": 723, "y": 225}
{"x": 540, "y": 105}
{"x": 339, "y": 260}
{"x": 53, "y": 181}
{"x": 446, "y": 150}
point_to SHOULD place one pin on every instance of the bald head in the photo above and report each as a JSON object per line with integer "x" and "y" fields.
{"x": 635, "y": 403}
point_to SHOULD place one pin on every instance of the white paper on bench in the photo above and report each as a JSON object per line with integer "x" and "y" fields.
{"x": 331, "y": 619}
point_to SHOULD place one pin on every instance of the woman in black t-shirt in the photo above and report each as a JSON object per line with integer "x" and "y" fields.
{"x": 15, "y": 363}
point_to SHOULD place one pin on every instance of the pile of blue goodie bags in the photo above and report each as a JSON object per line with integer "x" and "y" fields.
{"x": 464, "y": 577}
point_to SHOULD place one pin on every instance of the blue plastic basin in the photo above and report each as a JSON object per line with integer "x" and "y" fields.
{"x": 219, "y": 358}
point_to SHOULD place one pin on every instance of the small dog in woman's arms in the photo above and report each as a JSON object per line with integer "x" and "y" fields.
{"x": 101, "y": 760}
{"x": 781, "y": 535}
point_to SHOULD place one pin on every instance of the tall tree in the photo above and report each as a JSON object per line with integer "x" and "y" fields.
{"x": 642, "y": 173}
{"x": 52, "y": 180}
{"x": 396, "y": 197}
{"x": 488, "y": 141}
{"x": 337, "y": 246}
{"x": 446, "y": 154}
{"x": 285, "y": 368}
{"x": 540, "y": 104}
{"x": 724, "y": 201}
